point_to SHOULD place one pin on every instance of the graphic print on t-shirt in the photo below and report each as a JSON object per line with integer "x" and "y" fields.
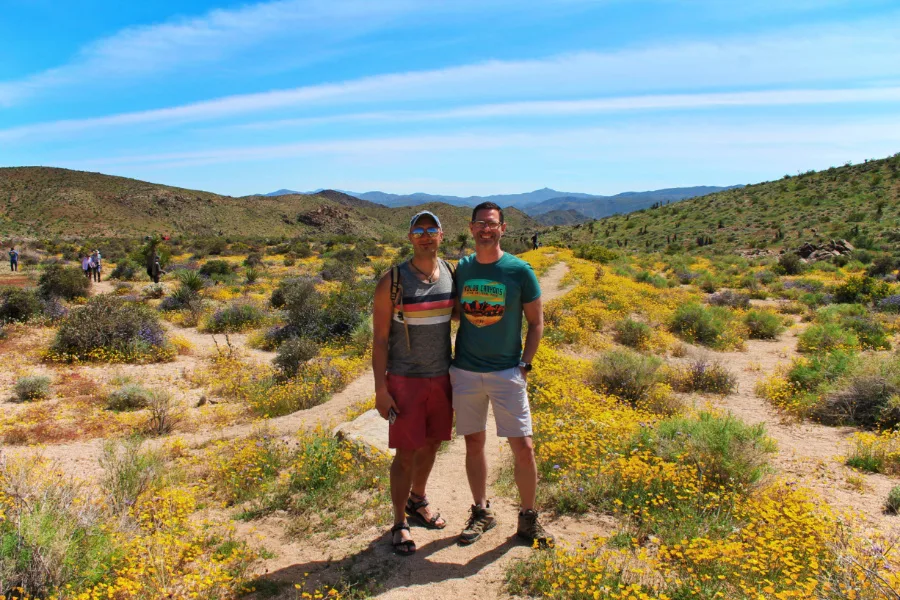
{"x": 483, "y": 301}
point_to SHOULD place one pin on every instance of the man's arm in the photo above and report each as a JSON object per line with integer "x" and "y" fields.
{"x": 382, "y": 313}
{"x": 534, "y": 315}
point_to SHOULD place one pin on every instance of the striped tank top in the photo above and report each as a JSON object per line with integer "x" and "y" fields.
{"x": 425, "y": 313}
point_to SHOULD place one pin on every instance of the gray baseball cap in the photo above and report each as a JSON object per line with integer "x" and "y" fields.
{"x": 424, "y": 213}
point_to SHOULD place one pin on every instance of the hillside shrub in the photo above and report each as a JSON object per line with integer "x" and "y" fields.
{"x": 702, "y": 375}
{"x": 883, "y": 265}
{"x": 19, "y": 305}
{"x": 890, "y": 304}
{"x": 337, "y": 270}
{"x": 191, "y": 279}
{"x": 128, "y": 472}
{"x": 811, "y": 374}
{"x": 216, "y": 267}
{"x": 129, "y": 396}
{"x": 705, "y": 325}
{"x": 790, "y": 264}
{"x": 253, "y": 260}
{"x": 825, "y": 338}
{"x": 865, "y": 401}
{"x": 872, "y": 334}
{"x": 633, "y": 334}
{"x": 346, "y": 309}
{"x": 126, "y": 270}
{"x": 625, "y": 374}
{"x": 657, "y": 281}
{"x": 861, "y": 289}
{"x": 182, "y": 298}
{"x": 109, "y": 328}
{"x": 707, "y": 282}
{"x": 763, "y": 325}
{"x": 64, "y": 282}
{"x": 730, "y": 299}
{"x": 293, "y": 353}
{"x": 600, "y": 254}
{"x": 237, "y": 316}
{"x": 34, "y": 387}
{"x": 165, "y": 413}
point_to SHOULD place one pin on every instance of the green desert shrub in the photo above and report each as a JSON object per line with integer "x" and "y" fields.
{"x": 128, "y": 472}
{"x": 33, "y": 387}
{"x": 729, "y": 298}
{"x": 191, "y": 279}
{"x": 704, "y": 325}
{"x": 867, "y": 396}
{"x": 657, "y": 281}
{"x": 216, "y": 267}
{"x": 825, "y": 338}
{"x": 811, "y": 374}
{"x": 237, "y": 316}
{"x": 702, "y": 375}
{"x": 111, "y": 329}
{"x": 790, "y": 264}
{"x": 763, "y": 325}
{"x": 633, "y": 334}
{"x": 18, "y": 305}
{"x": 64, "y": 282}
{"x": 130, "y": 396}
{"x": 625, "y": 374}
{"x": 892, "y": 504}
{"x": 337, "y": 270}
{"x": 165, "y": 413}
{"x": 126, "y": 270}
{"x": 728, "y": 452}
{"x": 293, "y": 353}
{"x": 599, "y": 254}
{"x": 858, "y": 289}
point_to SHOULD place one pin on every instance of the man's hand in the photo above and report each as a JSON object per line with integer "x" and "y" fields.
{"x": 524, "y": 373}
{"x": 384, "y": 402}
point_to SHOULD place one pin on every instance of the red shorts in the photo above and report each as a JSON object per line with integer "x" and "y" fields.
{"x": 426, "y": 410}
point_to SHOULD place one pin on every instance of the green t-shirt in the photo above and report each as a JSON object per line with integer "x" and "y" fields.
{"x": 490, "y": 323}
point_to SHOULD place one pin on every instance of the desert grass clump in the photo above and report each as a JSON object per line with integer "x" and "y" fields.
{"x": 293, "y": 353}
{"x": 165, "y": 413}
{"x": 129, "y": 396}
{"x": 33, "y": 387}
{"x": 215, "y": 268}
{"x": 65, "y": 282}
{"x": 128, "y": 472}
{"x": 702, "y": 375}
{"x": 763, "y": 325}
{"x": 633, "y": 334}
{"x": 125, "y": 270}
{"x": 869, "y": 396}
{"x": 111, "y": 329}
{"x": 728, "y": 452}
{"x": 625, "y": 374}
{"x": 237, "y": 316}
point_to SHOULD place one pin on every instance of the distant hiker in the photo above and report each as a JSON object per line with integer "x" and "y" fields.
{"x": 95, "y": 259}
{"x": 414, "y": 305}
{"x": 491, "y": 366}
{"x": 13, "y": 259}
{"x": 156, "y": 270}
{"x": 86, "y": 266}
{"x": 534, "y": 241}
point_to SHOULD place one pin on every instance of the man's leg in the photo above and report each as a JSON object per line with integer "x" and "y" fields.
{"x": 401, "y": 482}
{"x": 422, "y": 465}
{"x": 477, "y": 467}
{"x": 525, "y": 470}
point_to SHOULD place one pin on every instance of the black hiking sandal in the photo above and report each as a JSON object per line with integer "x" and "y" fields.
{"x": 480, "y": 521}
{"x": 404, "y": 547}
{"x": 531, "y": 531}
{"x": 412, "y": 511}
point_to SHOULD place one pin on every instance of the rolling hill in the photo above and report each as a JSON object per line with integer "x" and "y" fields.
{"x": 860, "y": 203}
{"x": 50, "y": 202}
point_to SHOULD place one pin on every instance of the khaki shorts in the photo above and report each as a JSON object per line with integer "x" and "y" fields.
{"x": 505, "y": 390}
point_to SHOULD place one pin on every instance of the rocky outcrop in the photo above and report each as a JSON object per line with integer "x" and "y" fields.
{"x": 813, "y": 253}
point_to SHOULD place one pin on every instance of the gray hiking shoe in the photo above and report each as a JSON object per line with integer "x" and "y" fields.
{"x": 531, "y": 531}
{"x": 480, "y": 520}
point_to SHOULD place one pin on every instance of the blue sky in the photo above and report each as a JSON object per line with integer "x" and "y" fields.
{"x": 452, "y": 97}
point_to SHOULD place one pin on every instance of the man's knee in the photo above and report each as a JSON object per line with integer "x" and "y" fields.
{"x": 522, "y": 449}
{"x": 475, "y": 442}
{"x": 404, "y": 459}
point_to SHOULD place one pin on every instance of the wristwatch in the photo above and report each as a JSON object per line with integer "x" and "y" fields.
{"x": 525, "y": 365}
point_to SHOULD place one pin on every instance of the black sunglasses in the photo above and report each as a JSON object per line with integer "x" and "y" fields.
{"x": 418, "y": 232}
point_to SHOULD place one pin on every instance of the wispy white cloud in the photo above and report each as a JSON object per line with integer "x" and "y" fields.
{"x": 832, "y": 56}
{"x": 581, "y": 144}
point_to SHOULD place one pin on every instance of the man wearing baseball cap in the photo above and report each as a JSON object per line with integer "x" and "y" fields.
{"x": 414, "y": 305}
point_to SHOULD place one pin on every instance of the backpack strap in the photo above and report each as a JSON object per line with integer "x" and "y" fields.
{"x": 397, "y": 300}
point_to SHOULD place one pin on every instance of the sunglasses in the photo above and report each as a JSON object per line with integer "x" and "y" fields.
{"x": 418, "y": 232}
{"x": 489, "y": 225}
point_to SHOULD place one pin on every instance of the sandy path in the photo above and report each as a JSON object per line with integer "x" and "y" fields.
{"x": 808, "y": 453}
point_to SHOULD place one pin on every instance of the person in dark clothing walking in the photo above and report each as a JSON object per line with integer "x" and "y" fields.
{"x": 13, "y": 259}
{"x": 156, "y": 270}
{"x": 534, "y": 241}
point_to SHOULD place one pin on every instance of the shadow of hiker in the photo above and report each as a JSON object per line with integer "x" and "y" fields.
{"x": 377, "y": 569}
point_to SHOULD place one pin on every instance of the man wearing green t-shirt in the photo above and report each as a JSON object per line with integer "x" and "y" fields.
{"x": 494, "y": 290}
